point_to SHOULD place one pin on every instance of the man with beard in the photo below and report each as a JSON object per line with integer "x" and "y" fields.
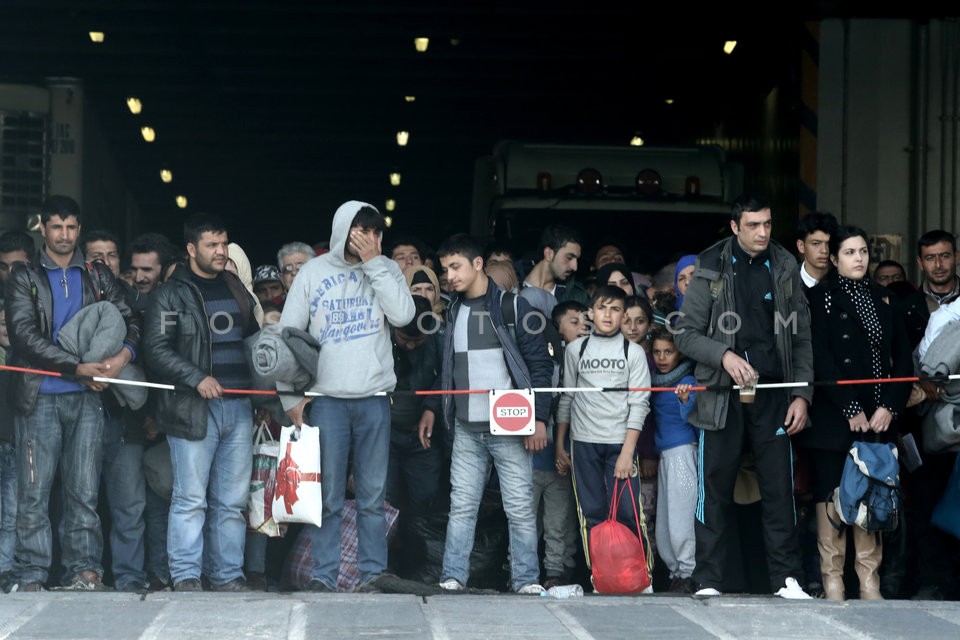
{"x": 556, "y": 271}
{"x": 937, "y": 259}
{"x": 195, "y": 327}
{"x": 60, "y": 420}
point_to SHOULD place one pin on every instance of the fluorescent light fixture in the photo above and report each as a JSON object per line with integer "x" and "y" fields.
{"x": 388, "y": 220}
{"x": 421, "y": 44}
{"x": 97, "y": 36}
{"x": 166, "y": 175}
{"x": 390, "y": 204}
{"x": 410, "y": 98}
{"x": 636, "y": 141}
{"x": 669, "y": 100}
{"x": 403, "y": 137}
{"x": 148, "y": 134}
{"x": 395, "y": 178}
{"x": 134, "y": 105}
{"x": 729, "y": 46}
{"x": 182, "y": 202}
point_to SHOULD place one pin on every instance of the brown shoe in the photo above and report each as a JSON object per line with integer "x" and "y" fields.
{"x": 88, "y": 580}
{"x": 31, "y": 587}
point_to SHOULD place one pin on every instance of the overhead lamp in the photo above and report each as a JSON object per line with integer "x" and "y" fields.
{"x": 182, "y": 202}
{"x": 454, "y": 42}
{"x": 636, "y": 141}
{"x": 395, "y": 178}
{"x": 403, "y": 137}
{"x": 589, "y": 181}
{"x": 729, "y": 46}
{"x": 134, "y": 105}
{"x": 388, "y": 220}
{"x": 421, "y": 44}
{"x": 166, "y": 175}
{"x": 97, "y": 36}
{"x": 668, "y": 100}
{"x": 410, "y": 98}
{"x": 390, "y": 204}
{"x": 148, "y": 134}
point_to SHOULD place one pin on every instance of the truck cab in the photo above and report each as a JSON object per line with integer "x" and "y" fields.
{"x": 658, "y": 202}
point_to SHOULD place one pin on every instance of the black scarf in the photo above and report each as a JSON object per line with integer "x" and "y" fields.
{"x": 859, "y": 292}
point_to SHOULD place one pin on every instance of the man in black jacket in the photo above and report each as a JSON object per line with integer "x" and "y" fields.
{"x": 195, "y": 327}
{"x": 60, "y": 419}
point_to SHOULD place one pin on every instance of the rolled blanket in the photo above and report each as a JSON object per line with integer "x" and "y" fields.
{"x": 97, "y": 332}
{"x": 284, "y": 355}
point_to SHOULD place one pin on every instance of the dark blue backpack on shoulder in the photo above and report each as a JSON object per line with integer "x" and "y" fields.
{"x": 869, "y": 491}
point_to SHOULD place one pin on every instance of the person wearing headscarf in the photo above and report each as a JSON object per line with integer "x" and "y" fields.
{"x": 682, "y": 276}
{"x": 423, "y": 282}
{"x": 245, "y": 272}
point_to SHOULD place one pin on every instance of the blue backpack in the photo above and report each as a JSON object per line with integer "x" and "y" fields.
{"x": 869, "y": 491}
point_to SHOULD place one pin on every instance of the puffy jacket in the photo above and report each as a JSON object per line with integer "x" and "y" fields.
{"x": 29, "y": 307}
{"x": 709, "y": 296}
{"x": 178, "y": 350}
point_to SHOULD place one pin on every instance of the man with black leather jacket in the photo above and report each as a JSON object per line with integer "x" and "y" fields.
{"x": 195, "y": 327}
{"x": 59, "y": 420}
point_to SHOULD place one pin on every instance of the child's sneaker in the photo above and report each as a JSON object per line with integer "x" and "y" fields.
{"x": 530, "y": 590}
{"x": 451, "y": 584}
{"x": 793, "y": 591}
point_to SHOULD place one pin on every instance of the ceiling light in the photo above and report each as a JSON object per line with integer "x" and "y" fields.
{"x": 388, "y": 220}
{"x": 729, "y": 46}
{"x": 403, "y": 137}
{"x": 421, "y": 44}
{"x": 148, "y": 134}
{"x": 410, "y": 98}
{"x": 390, "y": 204}
{"x": 182, "y": 202}
{"x": 636, "y": 141}
{"x": 134, "y": 105}
{"x": 669, "y": 100}
{"x": 97, "y": 36}
{"x": 395, "y": 178}
{"x": 454, "y": 42}
{"x": 166, "y": 175}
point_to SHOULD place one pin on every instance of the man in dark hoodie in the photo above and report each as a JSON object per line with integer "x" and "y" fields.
{"x": 348, "y": 299}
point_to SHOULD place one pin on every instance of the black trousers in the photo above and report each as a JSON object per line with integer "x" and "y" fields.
{"x": 757, "y": 427}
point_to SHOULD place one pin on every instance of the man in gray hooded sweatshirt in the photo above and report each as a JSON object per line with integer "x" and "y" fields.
{"x": 345, "y": 299}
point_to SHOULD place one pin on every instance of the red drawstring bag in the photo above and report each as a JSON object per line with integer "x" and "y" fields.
{"x": 617, "y": 559}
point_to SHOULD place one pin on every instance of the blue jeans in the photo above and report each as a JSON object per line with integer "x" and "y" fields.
{"x": 363, "y": 425}
{"x": 211, "y": 482}
{"x": 473, "y": 454}
{"x": 125, "y": 487}
{"x": 8, "y": 505}
{"x": 64, "y": 429}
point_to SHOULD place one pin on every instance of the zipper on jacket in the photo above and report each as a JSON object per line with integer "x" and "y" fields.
{"x": 64, "y": 283}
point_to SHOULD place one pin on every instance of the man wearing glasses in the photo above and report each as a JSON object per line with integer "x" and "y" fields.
{"x": 291, "y": 257}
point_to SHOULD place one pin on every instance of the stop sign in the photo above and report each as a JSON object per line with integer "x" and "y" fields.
{"x": 511, "y": 412}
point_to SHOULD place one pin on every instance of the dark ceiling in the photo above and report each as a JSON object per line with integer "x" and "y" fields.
{"x": 273, "y": 112}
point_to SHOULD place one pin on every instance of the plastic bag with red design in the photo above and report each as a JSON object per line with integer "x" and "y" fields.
{"x": 618, "y": 562}
{"x": 297, "y": 497}
{"x": 263, "y": 483}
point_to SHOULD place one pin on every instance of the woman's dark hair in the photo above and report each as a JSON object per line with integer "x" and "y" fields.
{"x": 603, "y": 274}
{"x": 843, "y": 233}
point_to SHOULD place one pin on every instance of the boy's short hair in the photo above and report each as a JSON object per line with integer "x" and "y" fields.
{"x": 816, "y": 221}
{"x": 555, "y": 236}
{"x": 608, "y": 292}
{"x": 563, "y": 307}
{"x": 199, "y": 223}
{"x": 642, "y": 302}
{"x": 462, "y": 243}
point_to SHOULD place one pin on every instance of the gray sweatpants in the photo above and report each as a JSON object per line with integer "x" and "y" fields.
{"x": 676, "y": 509}
{"x": 556, "y": 521}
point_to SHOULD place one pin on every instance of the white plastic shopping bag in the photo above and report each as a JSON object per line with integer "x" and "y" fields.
{"x": 297, "y": 495}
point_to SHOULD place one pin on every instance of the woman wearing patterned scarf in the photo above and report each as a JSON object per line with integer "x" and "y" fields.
{"x": 856, "y": 335}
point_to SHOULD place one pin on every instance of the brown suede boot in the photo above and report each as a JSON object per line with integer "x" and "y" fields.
{"x": 869, "y": 554}
{"x": 833, "y": 550}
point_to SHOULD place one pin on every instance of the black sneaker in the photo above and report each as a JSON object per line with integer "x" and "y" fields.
{"x": 232, "y": 586}
{"x": 189, "y": 584}
{"x": 256, "y": 581}
{"x": 134, "y": 587}
{"x": 553, "y": 581}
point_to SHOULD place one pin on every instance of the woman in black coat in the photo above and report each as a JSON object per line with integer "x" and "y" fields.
{"x": 856, "y": 335}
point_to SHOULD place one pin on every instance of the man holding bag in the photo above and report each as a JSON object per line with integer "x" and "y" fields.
{"x": 345, "y": 299}
{"x": 195, "y": 327}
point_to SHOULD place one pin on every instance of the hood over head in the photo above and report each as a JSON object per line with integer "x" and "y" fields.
{"x": 342, "y": 221}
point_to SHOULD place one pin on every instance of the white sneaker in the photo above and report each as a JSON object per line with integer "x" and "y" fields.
{"x": 451, "y": 584}
{"x": 793, "y": 591}
{"x": 530, "y": 590}
{"x": 707, "y": 592}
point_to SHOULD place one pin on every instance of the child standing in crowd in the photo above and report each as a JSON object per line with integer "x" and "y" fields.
{"x": 676, "y": 440}
{"x": 604, "y": 427}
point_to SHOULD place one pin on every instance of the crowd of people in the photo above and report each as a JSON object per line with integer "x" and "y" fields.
{"x": 110, "y": 485}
